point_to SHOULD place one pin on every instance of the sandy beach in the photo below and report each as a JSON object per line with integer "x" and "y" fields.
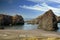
{"x": 23, "y": 34}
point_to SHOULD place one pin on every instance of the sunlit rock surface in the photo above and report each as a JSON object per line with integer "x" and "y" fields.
{"x": 48, "y": 21}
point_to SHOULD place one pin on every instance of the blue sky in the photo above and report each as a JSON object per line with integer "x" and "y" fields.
{"x": 29, "y": 8}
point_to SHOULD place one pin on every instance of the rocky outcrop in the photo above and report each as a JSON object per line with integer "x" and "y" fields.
{"x": 48, "y": 21}
{"x": 17, "y": 20}
{"x": 5, "y": 19}
{"x": 10, "y": 20}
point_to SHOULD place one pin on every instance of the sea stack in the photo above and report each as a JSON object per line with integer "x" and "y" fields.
{"x": 48, "y": 21}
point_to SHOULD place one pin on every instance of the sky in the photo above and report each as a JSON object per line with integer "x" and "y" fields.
{"x": 29, "y": 8}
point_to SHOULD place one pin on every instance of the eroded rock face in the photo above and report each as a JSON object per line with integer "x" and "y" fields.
{"x": 48, "y": 21}
{"x": 11, "y": 20}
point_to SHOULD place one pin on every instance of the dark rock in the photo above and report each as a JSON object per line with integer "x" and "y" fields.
{"x": 6, "y": 20}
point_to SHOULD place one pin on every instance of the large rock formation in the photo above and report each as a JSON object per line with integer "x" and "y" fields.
{"x": 48, "y": 21}
{"x": 10, "y": 20}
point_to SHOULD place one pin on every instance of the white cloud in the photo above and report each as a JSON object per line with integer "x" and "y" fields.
{"x": 43, "y": 8}
{"x": 57, "y": 1}
{"x": 55, "y": 10}
{"x": 35, "y": 7}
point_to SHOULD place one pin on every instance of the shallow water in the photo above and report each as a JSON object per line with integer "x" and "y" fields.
{"x": 26, "y": 27}
{"x": 22, "y": 27}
